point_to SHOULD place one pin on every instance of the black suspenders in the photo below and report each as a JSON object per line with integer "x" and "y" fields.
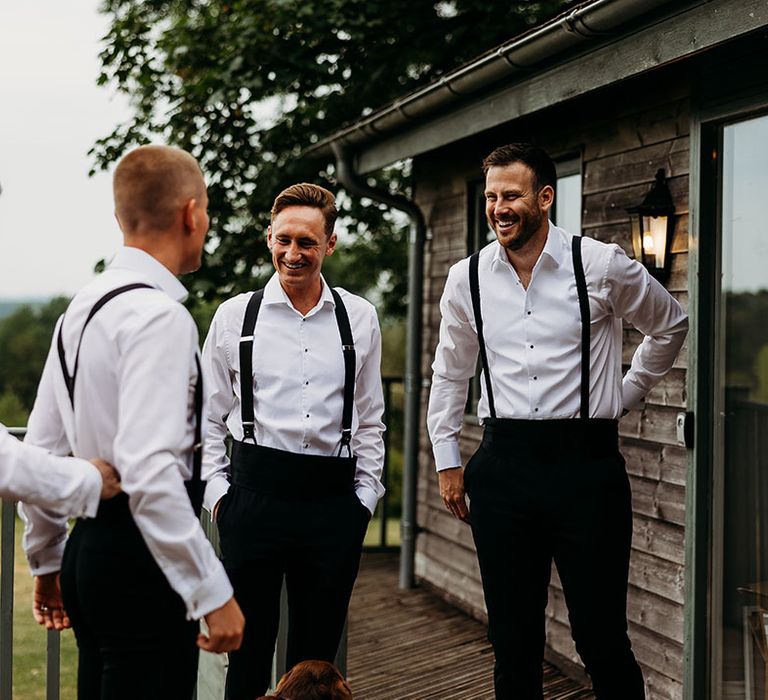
{"x": 246, "y": 363}
{"x": 581, "y": 288}
{"x": 195, "y": 486}
{"x": 246, "y": 367}
{"x": 69, "y": 380}
{"x": 474, "y": 288}
{"x": 348, "y": 348}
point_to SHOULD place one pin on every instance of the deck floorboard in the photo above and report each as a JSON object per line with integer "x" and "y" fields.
{"x": 410, "y": 645}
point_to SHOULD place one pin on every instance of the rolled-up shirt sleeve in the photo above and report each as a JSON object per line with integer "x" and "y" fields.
{"x": 153, "y": 442}
{"x": 455, "y": 363}
{"x": 31, "y": 474}
{"x": 642, "y": 301}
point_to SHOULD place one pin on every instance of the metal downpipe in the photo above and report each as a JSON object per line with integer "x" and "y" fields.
{"x": 355, "y": 184}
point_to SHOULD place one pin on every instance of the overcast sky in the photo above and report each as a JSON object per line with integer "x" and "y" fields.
{"x": 55, "y": 221}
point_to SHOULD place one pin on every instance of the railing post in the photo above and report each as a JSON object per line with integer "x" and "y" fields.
{"x": 280, "y": 660}
{"x": 53, "y": 665}
{"x": 385, "y": 471}
{"x": 341, "y": 652}
{"x": 7, "y": 545}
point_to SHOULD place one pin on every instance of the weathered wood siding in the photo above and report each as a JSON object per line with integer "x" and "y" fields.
{"x": 621, "y": 148}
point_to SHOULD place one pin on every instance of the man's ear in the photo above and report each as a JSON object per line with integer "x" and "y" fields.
{"x": 546, "y": 197}
{"x": 269, "y": 237}
{"x": 331, "y": 245}
{"x": 188, "y": 215}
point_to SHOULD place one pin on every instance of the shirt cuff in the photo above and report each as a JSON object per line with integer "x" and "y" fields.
{"x": 631, "y": 395}
{"x": 91, "y": 497}
{"x": 447, "y": 455}
{"x": 214, "y": 492}
{"x": 213, "y": 592}
{"x": 48, "y": 560}
{"x": 368, "y": 497}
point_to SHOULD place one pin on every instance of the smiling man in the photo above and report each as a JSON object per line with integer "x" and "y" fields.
{"x": 544, "y": 310}
{"x": 294, "y": 371}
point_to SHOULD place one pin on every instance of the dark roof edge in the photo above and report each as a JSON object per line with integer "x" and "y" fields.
{"x": 585, "y": 23}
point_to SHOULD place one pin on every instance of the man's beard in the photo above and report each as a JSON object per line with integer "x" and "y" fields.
{"x": 529, "y": 225}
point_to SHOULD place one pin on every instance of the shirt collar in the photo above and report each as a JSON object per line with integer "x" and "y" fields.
{"x": 553, "y": 247}
{"x": 137, "y": 260}
{"x": 275, "y": 294}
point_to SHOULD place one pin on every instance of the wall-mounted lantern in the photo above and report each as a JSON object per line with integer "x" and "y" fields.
{"x": 653, "y": 223}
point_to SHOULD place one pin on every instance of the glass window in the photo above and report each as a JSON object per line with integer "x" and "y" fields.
{"x": 567, "y": 210}
{"x": 743, "y": 394}
{"x": 478, "y": 231}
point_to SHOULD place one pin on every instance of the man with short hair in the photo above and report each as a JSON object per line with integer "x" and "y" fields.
{"x": 122, "y": 380}
{"x": 544, "y": 310}
{"x": 294, "y": 371}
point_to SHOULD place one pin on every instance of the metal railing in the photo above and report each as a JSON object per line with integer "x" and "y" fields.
{"x": 7, "y": 571}
{"x": 53, "y": 639}
{"x": 390, "y": 411}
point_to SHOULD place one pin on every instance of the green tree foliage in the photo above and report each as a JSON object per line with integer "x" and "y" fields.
{"x": 12, "y": 411}
{"x": 25, "y": 337}
{"x": 247, "y": 85}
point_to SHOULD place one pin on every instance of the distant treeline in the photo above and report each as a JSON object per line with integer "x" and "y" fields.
{"x": 25, "y": 337}
{"x": 8, "y": 306}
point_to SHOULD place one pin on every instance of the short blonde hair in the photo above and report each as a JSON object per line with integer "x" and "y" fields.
{"x": 305, "y": 194}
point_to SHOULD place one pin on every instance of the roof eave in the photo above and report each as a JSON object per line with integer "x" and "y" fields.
{"x": 587, "y": 23}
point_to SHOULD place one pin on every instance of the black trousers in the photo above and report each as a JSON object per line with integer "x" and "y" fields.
{"x": 554, "y": 490}
{"x": 132, "y": 634}
{"x": 287, "y": 527}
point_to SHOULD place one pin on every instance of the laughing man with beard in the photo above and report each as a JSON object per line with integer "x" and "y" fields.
{"x": 544, "y": 310}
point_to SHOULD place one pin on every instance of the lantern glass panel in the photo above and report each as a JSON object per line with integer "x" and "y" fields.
{"x": 637, "y": 236}
{"x": 655, "y": 240}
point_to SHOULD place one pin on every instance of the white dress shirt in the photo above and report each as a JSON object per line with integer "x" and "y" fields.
{"x": 64, "y": 484}
{"x": 134, "y": 407}
{"x": 533, "y": 338}
{"x": 298, "y": 385}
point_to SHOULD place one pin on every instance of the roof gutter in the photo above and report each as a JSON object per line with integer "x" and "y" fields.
{"x": 355, "y": 184}
{"x": 586, "y": 23}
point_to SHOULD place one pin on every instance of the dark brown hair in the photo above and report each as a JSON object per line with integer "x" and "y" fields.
{"x": 307, "y": 195}
{"x": 534, "y": 157}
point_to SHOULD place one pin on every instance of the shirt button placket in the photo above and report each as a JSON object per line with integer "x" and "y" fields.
{"x": 305, "y": 374}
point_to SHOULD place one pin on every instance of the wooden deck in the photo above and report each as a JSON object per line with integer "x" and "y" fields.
{"x": 409, "y": 645}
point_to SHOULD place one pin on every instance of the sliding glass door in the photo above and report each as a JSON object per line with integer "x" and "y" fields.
{"x": 740, "y": 416}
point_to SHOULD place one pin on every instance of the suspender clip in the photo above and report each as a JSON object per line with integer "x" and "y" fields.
{"x": 248, "y": 431}
{"x": 347, "y": 348}
{"x": 197, "y": 446}
{"x": 346, "y": 438}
